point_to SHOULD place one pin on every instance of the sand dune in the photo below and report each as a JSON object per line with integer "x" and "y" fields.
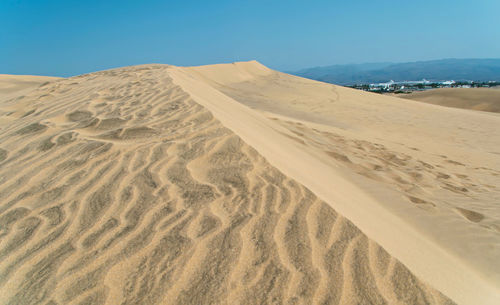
{"x": 10, "y": 84}
{"x": 158, "y": 185}
{"x": 430, "y": 173}
{"x": 484, "y": 99}
{"x": 15, "y": 86}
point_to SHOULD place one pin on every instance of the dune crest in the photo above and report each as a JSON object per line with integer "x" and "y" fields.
{"x": 391, "y": 158}
{"x": 123, "y": 187}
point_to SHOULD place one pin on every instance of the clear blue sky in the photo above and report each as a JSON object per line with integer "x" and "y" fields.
{"x": 66, "y": 37}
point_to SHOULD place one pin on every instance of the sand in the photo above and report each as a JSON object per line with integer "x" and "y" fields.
{"x": 430, "y": 174}
{"x": 16, "y": 84}
{"x": 483, "y": 99}
{"x": 236, "y": 184}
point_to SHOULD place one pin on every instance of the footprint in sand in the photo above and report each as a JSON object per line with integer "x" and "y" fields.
{"x": 32, "y": 128}
{"x": 79, "y": 116}
{"x": 3, "y": 154}
{"x": 470, "y": 215}
{"x": 419, "y": 201}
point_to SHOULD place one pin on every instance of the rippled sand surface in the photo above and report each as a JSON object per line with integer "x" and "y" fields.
{"x": 117, "y": 187}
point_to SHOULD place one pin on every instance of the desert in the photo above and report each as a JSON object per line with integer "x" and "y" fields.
{"x": 238, "y": 184}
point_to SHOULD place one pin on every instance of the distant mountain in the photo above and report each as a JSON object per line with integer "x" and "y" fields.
{"x": 444, "y": 69}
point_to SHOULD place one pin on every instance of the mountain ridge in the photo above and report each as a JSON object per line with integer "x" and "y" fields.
{"x": 472, "y": 69}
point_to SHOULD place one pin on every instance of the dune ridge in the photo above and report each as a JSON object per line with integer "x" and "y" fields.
{"x": 415, "y": 186}
{"x": 122, "y": 187}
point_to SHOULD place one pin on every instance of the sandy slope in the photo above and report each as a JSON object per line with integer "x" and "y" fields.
{"x": 143, "y": 185}
{"x": 485, "y": 99}
{"x": 421, "y": 180}
{"x": 13, "y": 84}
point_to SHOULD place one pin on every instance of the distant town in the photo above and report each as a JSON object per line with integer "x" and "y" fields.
{"x": 410, "y": 86}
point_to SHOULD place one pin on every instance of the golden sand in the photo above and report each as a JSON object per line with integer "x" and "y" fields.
{"x": 484, "y": 99}
{"x": 218, "y": 185}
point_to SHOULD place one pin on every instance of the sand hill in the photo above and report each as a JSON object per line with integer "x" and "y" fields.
{"x": 484, "y": 99}
{"x": 16, "y": 84}
{"x": 237, "y": 184}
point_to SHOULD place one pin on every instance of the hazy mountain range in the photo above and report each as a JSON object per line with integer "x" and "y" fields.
{"x": 444, "y": 69}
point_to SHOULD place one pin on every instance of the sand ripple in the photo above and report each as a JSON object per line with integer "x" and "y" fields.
{"x": 117, "y": 188}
